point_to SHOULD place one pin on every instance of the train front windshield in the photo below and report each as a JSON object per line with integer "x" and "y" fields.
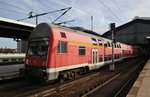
{"x": 38, "y": 48}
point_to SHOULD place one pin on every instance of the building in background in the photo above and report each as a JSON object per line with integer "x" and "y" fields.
{"x": 22, "y": 46}
{"x": 8, "y": 50}
{"x": 135, "y": 32}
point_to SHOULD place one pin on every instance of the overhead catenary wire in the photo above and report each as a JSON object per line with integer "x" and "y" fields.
{"x": 32, "y": 16}
{"x": 78, "y": 10}
{"x": 46, "y": 13}
{"x": 13, "y": 11}
{"x": 37, "y": 15}
{"x": 62, "y": 13}
{"x": 110, "y": 11}
{"x": 19, "y": 9}
{"x": 42, "y": 3}
{"x": 48, "y": 17}
{"x": 65, "y": 22}
{"x": 114, "y": 1}
{"x": 32, "y": 5}
{"x": 67, "y": 9}
{"x": 14, "y": 6}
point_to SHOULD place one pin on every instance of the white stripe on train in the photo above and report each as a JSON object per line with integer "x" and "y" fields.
{"x": 54, "y": 72}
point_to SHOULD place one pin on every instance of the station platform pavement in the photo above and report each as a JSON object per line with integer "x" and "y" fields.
{"x": 10, "y": 71}
{"x": 141, "y": 87}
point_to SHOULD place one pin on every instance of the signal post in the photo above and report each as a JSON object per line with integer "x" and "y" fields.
{"x": 113, "y": 30}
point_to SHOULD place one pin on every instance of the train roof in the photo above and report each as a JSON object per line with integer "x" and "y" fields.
{"x": 78, "y": 30}
{"x": 41, "y": 30}
{"x": 47, "y": 27}
{"x": 85, "y": 30}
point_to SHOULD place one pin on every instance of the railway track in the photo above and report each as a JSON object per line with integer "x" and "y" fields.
{"x": 123, "y": 91}
{"x": 88, "y": 87}
{"x": 9, "y": 75}
{"x": 73, "y": 88}
{"x": 120, "y": 86}
{"x": 14, "y": 88}
{"x": 36, "y": 88}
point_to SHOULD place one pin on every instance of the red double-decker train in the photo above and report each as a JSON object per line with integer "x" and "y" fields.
{"x": 56, "y": 52}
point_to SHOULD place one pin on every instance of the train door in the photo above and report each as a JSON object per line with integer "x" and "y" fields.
{"x": 94, "y": 56}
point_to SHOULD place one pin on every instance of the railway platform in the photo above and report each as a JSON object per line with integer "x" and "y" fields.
{"x": 10, "y": 71}
{"x": 141, "y": 87}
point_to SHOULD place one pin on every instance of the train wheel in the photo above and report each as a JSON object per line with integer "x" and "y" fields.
{"x": 86, "y": 69}
{"x": 61, "y": 79}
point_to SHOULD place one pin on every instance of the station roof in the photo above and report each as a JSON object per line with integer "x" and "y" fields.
{"x": 141, "y": 41}
{"x": 15, "y": 29}
{"x": 144, "y": 20}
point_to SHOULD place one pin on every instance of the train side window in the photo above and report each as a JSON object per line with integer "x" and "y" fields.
{"x": 123, "y": 51}
{"x": 118, "y": 56}
{"x": 105, "y": 58}
{"x": 62, "y": 47}
{"x": 108, "y": 44}
{"x": 119, "y": 45}
{"x": 94, "y": 41}
{"x": 105, "y": 44}
{"x": 115, "y": 56}
{"x": 115, "y": 45}
{"x": 100, "y": 58}
{"x": 109, "y": 57}
{"x": 82, "y": 50}
{"x": 100, "y": 43}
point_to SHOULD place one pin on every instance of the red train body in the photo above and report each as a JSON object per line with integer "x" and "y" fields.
{"x": 55, "y": 51}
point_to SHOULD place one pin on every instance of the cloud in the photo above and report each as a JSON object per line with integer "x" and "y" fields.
{"x": 139, "y": 9}
{"x": 81, "y": 11}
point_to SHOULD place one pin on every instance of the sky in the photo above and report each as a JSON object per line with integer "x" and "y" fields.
{"x": 104, "y": 12}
